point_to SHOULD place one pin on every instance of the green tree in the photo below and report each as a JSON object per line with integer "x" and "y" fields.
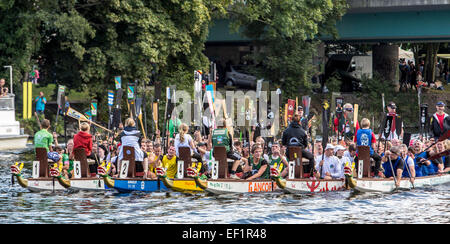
{"x": 83, "y": 44}
{"x": 286, "y": 33}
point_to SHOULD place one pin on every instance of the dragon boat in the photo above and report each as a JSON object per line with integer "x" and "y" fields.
{"x": 83, "y": 179}
{"x": 306, "y": 185}
{"x": 220, "y": 184}
{"x": 78, "y": 183}
{"x": 185, "y": 185}
{"x": 47, "y": 176}
{"x": 298, "y": 182}
{"x": 388, "y": 185}
{"x": 367, "y": 184}
{"x": 181, "y": 183}
{"x": 40, "y": 179}
{"x": 37, "y": 182}
{"x": 226, "y": 186}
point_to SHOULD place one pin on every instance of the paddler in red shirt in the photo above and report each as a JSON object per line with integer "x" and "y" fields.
{"x": 440, "y": 122}
{"x": 83, "y": 139}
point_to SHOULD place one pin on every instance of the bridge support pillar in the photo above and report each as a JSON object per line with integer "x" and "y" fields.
{"x": 385, "y": 62}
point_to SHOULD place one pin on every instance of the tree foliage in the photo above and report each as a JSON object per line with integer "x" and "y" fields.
{"x": 287, "y": 33}
{"x": 85, "y": 43}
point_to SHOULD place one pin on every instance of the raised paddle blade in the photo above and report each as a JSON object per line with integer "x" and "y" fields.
{"x": 438, "y": 155}
{"x": 444, "y": 137}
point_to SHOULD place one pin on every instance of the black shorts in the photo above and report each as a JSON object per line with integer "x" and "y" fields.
{"x": 139, "y": 167}
{"x": 233, "y": 155}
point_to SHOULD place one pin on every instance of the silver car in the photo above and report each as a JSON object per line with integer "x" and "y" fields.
{"x": 238, "y": 76}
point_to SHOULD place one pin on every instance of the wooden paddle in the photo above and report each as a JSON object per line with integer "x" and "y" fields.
{"x": 438, "y": 155}
{"x": 393, "y": 173}
{"x": 444, "y": 137}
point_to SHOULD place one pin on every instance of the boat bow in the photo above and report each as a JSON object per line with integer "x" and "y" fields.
{"x": 102, "y": 171}
{"x": 275, "y": 175}
{"x": 193, "y": 173}
{"x": 16, "y": 170}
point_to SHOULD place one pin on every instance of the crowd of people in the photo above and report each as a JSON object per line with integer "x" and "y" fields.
{"x": 412, "y": 75}
{"x": 392, "y": 156}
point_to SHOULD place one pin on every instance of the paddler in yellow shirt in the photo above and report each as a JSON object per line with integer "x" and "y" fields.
{"x": 154, "y": 159}
{"x": 169, "y": 162}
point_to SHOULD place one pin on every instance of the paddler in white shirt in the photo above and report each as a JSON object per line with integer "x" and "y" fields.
{"x": 343, "y": 160}
{"x": 329, "y": 167}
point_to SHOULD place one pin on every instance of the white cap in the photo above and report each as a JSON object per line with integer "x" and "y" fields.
{"x": 338, "y": 147}
{"x": 329, "y": 146}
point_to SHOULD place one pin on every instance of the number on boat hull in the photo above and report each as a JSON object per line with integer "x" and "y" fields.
{"x": 35, "y": 173}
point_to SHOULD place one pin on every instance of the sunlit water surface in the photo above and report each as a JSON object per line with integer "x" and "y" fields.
{"x": 18, "y": 205}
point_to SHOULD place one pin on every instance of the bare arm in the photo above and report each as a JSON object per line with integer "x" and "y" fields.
{"x": 260, "y": 172}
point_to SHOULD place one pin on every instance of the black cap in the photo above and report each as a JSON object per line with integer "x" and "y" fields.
{"x": 299, "y": 108}
{"x": 392, "y": 105}
{"x": 201, "y": 144}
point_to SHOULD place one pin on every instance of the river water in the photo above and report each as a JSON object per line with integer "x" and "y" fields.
{"x": 19, "y": 206}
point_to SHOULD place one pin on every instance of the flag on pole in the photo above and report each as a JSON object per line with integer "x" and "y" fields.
{"x": 291, "y": 109}
{"x": 325, "y": 121}
{"x": 110, "y": 98}
{"x": 118, "y": 82}
{"x": 94, "y": 108}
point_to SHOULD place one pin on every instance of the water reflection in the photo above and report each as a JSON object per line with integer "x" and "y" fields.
{"x": 18, "y": 205}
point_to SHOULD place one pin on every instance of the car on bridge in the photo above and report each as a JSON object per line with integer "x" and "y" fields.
{"x": 238, "y": 75}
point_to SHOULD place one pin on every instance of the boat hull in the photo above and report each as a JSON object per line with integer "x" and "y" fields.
{"x": 44, "y": 184}
{"x": 227, "y": 186}
{"x": 186, "y": 185}
{"x": 308, "y": 186}
{"x": 91, "y": 184}
{"x": 144, "y": 185}
{"x": 388, "y": 185}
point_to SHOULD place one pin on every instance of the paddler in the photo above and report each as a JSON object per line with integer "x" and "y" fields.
{"x": 366, "y": 137}
{"x": 43, "y": 138}
{"x": 169, "y": 162}
{"x": 131, "y": 137}
{"x": 277, "y": 160}
{"x": 329, "y": 167}
{"x": 83, "y": 139}
{"x": 222, "y": 137}
{"x": 256, "y": 167}
{"x": 393, "y": 157}
{"x": 295, "y": 135}
{"x": 67, "y": 159}
{"x": 440, "y": 122}
{"x": 154, "y": 159}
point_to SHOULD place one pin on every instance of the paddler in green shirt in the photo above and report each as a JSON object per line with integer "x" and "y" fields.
{"x": 43, "y": 138}
{"x": 222, "y": 137}
{"x": 256, "y": 167}
{"x": 276, "y": 160}
{"x": 67, "y": 159}
{"x": 173, "y": 127}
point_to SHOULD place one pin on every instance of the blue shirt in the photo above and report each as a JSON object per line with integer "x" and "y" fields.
{"x": 40, "y": 105}
{"x": 364, "y": 138}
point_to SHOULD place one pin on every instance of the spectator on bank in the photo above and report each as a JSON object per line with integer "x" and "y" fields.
{"x": 40, "y": 103}
{"x": 3, "y": 88}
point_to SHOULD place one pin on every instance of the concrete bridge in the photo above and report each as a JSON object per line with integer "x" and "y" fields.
{"x": 383, "y": 23}
{"x": 395, "y": 21}
{"x": 373, "y": 21}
